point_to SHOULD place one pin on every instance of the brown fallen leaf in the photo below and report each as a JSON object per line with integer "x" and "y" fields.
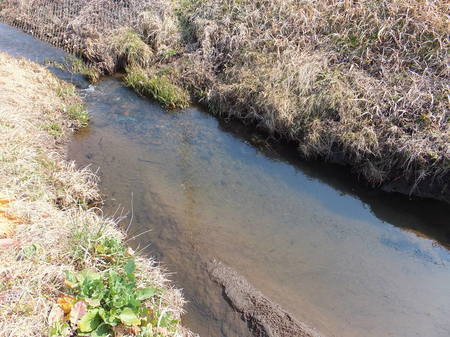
{"x": 4, "y": 202}
{"x": 78, "y": 311}
{"x": 69, "y": 284}
{"x": 55, "y": 315}
{"x": 66, "y": 303}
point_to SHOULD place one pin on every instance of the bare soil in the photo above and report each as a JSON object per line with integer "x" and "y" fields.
{"x": 264, "y": 317}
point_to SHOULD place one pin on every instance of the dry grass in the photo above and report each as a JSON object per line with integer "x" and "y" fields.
{"x": 358, "y": 82}
{"x": 101, "y": 32}
{"x": 47, "y": 194}
{"x": 364, "y": 83}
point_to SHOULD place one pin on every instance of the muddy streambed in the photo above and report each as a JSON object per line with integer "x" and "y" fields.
{"x": 348, "y": 261}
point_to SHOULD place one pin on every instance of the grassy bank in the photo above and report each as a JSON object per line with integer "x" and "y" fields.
{"x": 65, "y": 269}
{"x": 360, "y": 83}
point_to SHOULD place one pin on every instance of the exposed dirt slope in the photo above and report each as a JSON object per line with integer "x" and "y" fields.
{"x": 264, "y": 317}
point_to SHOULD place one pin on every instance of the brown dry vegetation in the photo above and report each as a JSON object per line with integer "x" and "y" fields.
{"x": 360, "y": 82}
{"x": 45, "y": 198}
{"x": 363, "y": 83}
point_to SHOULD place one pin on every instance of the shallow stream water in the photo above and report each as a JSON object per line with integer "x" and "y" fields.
{"x": 345, "y": 259}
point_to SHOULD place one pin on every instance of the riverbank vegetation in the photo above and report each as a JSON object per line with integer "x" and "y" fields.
{"x": 360, "y": 83}
{"x": 156, "y": 86}
{"x": 66, "y": 270}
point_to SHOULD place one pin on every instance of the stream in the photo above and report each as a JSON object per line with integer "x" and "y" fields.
{"x": 343, "y": 258}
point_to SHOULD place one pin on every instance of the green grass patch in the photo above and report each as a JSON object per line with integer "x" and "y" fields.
{"x": 54, "y": 129}
{"x": 157, "y": 87}
{"x": 78, "y": 113}
{"x": 78, "y": 66}
{"x": 131, "y": 50}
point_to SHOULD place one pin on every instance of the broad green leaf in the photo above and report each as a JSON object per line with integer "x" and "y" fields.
{"x": 103, "y": 330}
{"x": 129, "y": 317}
{"x": 90, "y": 321}
{"x": 130, "y": 266}
{"x": 90, "y": 275}
{"x": 143, "y": 294}
{"x": 93, "y": 302}
{"x": 111, "y": 317}
{"x": 59, "y": 329}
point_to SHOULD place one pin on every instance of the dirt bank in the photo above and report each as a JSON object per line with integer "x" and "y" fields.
{"x": 48, "y": 232}
{"x": 264, "y": 317}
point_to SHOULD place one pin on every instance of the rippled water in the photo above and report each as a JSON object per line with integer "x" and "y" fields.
{"x": 345, "y": 259}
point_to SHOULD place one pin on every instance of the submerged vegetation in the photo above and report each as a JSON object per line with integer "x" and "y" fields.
{"x": 65, "y": 270}
{"x": 361, "y": 83}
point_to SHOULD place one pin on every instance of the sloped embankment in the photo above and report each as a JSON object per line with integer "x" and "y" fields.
{"x": 50, "y": 240}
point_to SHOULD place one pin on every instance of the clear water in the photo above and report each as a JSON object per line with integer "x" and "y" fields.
{"x": 345, "y": 259}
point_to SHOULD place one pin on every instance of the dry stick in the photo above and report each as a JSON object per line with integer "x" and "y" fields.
{"x": 142, "y": 249}
{"x": 132, "y": 213}
{"x": 138, "y": 235}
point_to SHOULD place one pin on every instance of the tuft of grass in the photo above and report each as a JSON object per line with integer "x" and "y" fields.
{"x": 54, "y": 129}
{"x": 157, "y": 87}
{"x": 66, "y": 90}
{"x": 78, "y": 113}
{"x": 78, "y": 66}
{"x": 130, "y": 50}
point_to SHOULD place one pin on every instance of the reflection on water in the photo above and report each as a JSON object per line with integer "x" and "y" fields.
{"x": 347, "y": 260}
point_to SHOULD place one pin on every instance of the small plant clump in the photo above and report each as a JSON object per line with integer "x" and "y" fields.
{"x": 78, "y": 66}
{"x": 157, "y": 87}
{"x": 109, "y": 302}
{"x": 130, "y": 49}
{"x": 78, "y": 113}
{"x": 54, "y": 129}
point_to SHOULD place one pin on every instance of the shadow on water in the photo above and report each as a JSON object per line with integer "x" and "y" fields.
{"x": 349, "y": 260}
{"x": 425, "y": 217}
